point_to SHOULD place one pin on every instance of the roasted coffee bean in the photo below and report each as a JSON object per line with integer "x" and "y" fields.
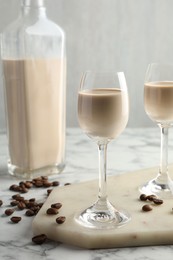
{"x": 29, "y": 213}
{"x": 31, "y": 204}
{"x": 55, "y": 183}
{"x": 35, "y": 208}
{"x": 24, "y": 190}
{"x": 52, "y": 211}
{"x": 19, "y": 198}
{"x": 47, "y": 184}
{"x": 44, "y": 178}
{"x": 26, "y": 202}
{"x": 147, "y": 207}
{"x": 37, "y": 179}
{"x": 158, "y": 201}
{"x": 56, "y": 205}
{"x": 1, "y": 202}
{"x": 151, "y": 197}
{"x": 40, "y": 204}
{"x": 28, "y": 185}
{"x": 36, "y": 211}
{"x": 67, "y": 184}
{"x": 38, "y": 184}
{"x": 18, "y": 189}
{"x": 40, "y": 239}
{"x": 14, "y": 203}
{"x": 21, "y": 205}
{"x": 143, "y": 197}
{"x": 49, "y": 191}
{"x": 22, "y": 184}
{"x": 13, "y": 187}
{"x": 9, "y": 212}
{"x": 60, "y": 220}
{"x": 32, "y": 200}
{"x": 15, "y": 196}
{"x": 16, "y": 219}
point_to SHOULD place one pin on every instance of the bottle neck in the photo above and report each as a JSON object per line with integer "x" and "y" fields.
{"x": 33, "y": 3}
{"x": 33, "y": 7}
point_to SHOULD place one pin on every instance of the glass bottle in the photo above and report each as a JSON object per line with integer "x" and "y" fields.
{"x": 34, "y": 71}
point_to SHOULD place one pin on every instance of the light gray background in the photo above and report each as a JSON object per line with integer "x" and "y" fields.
{"x": 107, "y": 34}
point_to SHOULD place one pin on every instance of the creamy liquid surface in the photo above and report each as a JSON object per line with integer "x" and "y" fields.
{"x": 36, "y": 119}
{"x": 158, "y": 101}
{"x": 103, "y": 112}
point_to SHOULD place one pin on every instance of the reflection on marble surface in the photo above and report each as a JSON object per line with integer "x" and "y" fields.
{"x": 134, "y": 149}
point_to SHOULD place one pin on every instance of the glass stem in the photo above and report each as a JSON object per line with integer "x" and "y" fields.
{"x": 163, "y": 170}
{"x": 102, "y": 197}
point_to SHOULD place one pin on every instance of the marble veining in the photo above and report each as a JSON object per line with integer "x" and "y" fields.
{"x": 135, "y": 149}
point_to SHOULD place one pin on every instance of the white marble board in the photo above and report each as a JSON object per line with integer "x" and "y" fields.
{"x": 145, "y": 228}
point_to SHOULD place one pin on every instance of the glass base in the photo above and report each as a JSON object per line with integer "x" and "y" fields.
{"x": 95, "y": 218}
{"x": 161, "y": 190}
{"x": 50, "y": 170}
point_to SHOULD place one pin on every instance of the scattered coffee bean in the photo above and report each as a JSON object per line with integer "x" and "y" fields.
{"x": 56, "y": 205}
{"x": 16, "y": 219}
{"x": 147, "y": 207}
{"x": 32, "y": 200}
{"x": 35, "y": 209}
{"x": 49, "y": 191}
{"x": 1, "y": 202}
{"x": 151, "y": 197}
{"x": 40, "y": 239}
{"x": 14, "y": 187}
{"x": 67, "y": 184}
{"x": 60, "y": 220}
{"x": 157, "y": 201}
{"x": 37, "y": 179}
{"x": 143, "y": 197}
{"x": 21, "y": 183}
{"x": 26, "y": 201}
{"x": 52, "y": 211}
{"x": 55, "y": 183}
{"x": 31, "y": 204}
{"x": 28, "y": 185}
{"x": 19, "y": 198}
{"x": 39, "y": 184}
{"x": 9, "y": 212}
{"x": 24, "y": 190}
{"x": 29, "y": 213}
{"x": 47, "y": 184}
{"x": 14, "y": 203}
{"x": 40, "y": 204}
{"x": 15, "y": 196}
{"x": 21, "y": 205}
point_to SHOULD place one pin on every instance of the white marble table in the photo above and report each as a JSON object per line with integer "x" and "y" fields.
{"x": 134, "y": 149}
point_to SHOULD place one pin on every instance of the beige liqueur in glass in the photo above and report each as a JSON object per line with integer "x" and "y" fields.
{"x": 158, "y": 103}
{"x": 34, "y": 95}
{"x": 158, "y": 100}
{"x": 103, "y": 112}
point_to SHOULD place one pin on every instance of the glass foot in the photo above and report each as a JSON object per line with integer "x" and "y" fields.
{"x": 109, "y": 218}
{"x": 161, "y": 190}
